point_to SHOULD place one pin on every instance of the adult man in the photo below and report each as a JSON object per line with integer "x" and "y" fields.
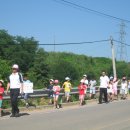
{"x": 15, "y": 83}
{"x": 104, "y": 82}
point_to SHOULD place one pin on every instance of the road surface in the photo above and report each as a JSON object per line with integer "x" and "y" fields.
{"x": 112, "y": 116}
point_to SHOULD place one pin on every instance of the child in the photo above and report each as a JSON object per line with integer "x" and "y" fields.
{"x": 1, "y": 95}
{"x": 129, "y": 86}
{"x": 115, "y": 84}
{"x": 67, "y": 88}
{"x": 123, "y": 90}
{"x": 92, "y": 87}
{"x": 26, "y": 95}
{"x": 82, "y": 88}
{"x": 56, "y": 92}
{"x": 110, "y": 91}
{"x": 50, "y": 93}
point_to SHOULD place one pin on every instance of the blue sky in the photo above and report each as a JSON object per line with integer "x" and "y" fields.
{"x": 44, "y": 19}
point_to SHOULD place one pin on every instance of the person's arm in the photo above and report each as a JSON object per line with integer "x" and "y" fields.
{"x": 21, "y": 87}
{"x": 63, "y": 85}
{"x": 8, "y": 86}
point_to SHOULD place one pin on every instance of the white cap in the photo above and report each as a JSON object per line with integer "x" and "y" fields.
{"x": 15, "y": 66}
{"x": 52, "y": 80}
{"x": 84, "y": 75}
{"x": 67, "y": 78}
{"x": 2, "y": 81}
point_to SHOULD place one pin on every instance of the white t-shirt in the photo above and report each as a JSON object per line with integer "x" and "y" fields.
{"x": 85, "y": 81}
{"x": 104, "y": 80}
{"x": 92, "y": 83}
{"x": 123, "y": 85}
{"x": 15, "y": 80}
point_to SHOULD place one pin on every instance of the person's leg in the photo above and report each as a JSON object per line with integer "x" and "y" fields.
{"x": 100, "y": 96}
{"x": 15, "y": 101}
{"x": 105, "y": 94}
{"x": 54, "y": 98}
{"x": 12, "y": 105}
{"x": 0, "y": 108}
{"x": 26, "y": 99}
{"x": 94, "y": 92}
{"x": 90, "y": 94}
{"x": 57, "y": 96}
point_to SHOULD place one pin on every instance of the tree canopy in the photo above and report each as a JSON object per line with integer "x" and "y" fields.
{"x": 41, "y": 65}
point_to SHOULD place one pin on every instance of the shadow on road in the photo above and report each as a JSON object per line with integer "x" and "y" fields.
{"x": 24, "y": 114}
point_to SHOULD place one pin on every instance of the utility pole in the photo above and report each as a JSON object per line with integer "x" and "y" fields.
{"x": 113, "y": 57}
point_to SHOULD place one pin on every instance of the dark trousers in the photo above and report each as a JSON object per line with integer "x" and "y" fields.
{"x": 14, "y": 93}
{"x": 103, "y": 91}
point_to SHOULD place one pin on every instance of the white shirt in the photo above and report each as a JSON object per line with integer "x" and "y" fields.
{"x": 92, "y": 83}
{"x": 104, "y": 80}
{"x": 14, "y": 80}
{"x": 123, "y": 85}
{"x": 85, "y": 81}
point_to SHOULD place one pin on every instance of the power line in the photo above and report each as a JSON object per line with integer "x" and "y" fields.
{"x": 90, "y": 10}
{"x": 60, "y": 44}
{"x": 121, "y": 43}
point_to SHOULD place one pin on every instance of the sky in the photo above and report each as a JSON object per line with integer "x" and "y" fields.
{"x": 51, "y": 22}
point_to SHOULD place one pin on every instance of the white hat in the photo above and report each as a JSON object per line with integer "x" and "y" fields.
{"x": 84, "y": 75}
{"x": 15, "y": 66}
{"x": 52, "y": 80}
{"x": 67, "y": 78}
{"x": 2, "y": 81}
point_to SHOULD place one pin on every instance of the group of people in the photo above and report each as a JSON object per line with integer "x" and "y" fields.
{"x": 54, "y": 91}
{"x": 15, "y": 84}
{"x": 108, "y": 89}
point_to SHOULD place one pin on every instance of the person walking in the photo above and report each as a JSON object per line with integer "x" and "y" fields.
{"x": 124, "y": 88}
{"x": 104, "y": 82}
{"x": 85, "y": 80}
{"x": 50, "y": 91}
{"x": 26, "y": 95}
{"x": 67, "y": 88}
{"x": 56, "y": 92}
{"x": 82, "y": 88}
{"x": 1, "y": 95}
{"x": 92, "y": 84}
{"x": 15, "y": 83}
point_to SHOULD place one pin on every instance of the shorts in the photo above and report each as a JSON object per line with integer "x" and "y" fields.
{"x": 55, "y": 95}
{"x": 123, "y": 91}
{"x": 1, "y": 103}
{"x": 50, "y": 96}
{"x": 81, "y": 97}
{"x": 92, "y": 90}
{"x": 110, "y": 91}
{"x": 67, "y": 94}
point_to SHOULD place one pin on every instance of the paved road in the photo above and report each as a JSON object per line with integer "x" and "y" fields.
{"x": 112, "y": 116}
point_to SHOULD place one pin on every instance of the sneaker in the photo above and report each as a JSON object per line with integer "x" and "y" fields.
{"x": 0, "y": 114}
{"x": 27, "y": 105}
{"x": 17, "y": 115}
{"x": 12, "y": 115}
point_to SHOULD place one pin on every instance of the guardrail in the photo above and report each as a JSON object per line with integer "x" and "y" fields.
{"x": 44, "y": 93}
